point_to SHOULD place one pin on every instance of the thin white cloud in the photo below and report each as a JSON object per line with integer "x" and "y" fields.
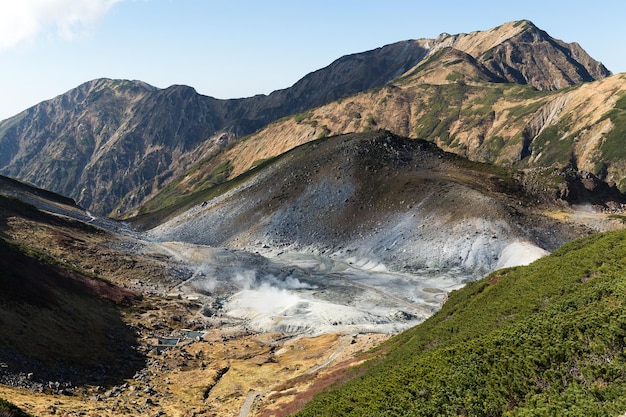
{"x": 21, "y": 21}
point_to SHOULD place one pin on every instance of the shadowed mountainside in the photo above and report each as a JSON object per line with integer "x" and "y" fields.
{"x": 60, "y": 324}
{"x": 9, "y": 410}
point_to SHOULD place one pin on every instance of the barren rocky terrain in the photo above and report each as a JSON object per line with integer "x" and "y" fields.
{"x": 260, "y": 314}
{"x": 192, "y": 355}
{"x": 375, "y": 201}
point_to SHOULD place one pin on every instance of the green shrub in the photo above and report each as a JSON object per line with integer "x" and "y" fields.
{"x": 300, "y": 117}
{"x": 543, "y": 340}
{"x": 613, "y": 149}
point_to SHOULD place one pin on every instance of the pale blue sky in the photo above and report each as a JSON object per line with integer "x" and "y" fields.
{"x": 238, "y": 48}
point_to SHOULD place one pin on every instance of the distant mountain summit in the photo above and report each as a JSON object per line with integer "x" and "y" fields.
{"x": 519, "y": 52}
{"x": 112, "y": 144}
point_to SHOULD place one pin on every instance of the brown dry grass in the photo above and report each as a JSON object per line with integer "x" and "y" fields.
{"x": 180, "y": 377}
{"x": 90, "y": 251}
{"x": 187, "y": 380}
{"x": 290, "y": 396}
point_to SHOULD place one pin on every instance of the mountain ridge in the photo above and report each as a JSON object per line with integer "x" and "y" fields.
{"x": 110, "y": 145}
{"x": 506, "y": 124}
{"x": 326, "y": 221}
{"x": 505, "y": 56}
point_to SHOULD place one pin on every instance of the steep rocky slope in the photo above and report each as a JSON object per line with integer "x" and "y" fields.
{"x": 467, "y": 106}
{"x": 517, "y": 52}
{"x": 110, "y": 144}
{"x": 374, "y": 199}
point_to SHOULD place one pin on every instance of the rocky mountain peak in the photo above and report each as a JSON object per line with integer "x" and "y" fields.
{"x": 112, "y": 144}
{"x": 520, "y": 52}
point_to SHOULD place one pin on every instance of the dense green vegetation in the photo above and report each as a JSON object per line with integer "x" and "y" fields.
{"x": 553, "y": 144}
{"x": 544, "y": 340}
{"x": 443, "y": 108}
{"x": 613, "y": 149}
{"x": 9, "y": 410}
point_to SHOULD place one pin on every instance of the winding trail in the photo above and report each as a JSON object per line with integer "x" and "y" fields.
{"x": 249, "y": 403}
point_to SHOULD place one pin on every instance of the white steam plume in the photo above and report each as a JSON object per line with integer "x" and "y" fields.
{"x": 267, "y": 299}
{"x": 289, "y": 283}
{"x": 245, "y": 279}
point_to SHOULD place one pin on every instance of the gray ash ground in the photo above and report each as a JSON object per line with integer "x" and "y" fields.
{"x": 305, "y": 294}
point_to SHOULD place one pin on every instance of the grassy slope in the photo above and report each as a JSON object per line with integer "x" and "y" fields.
{"x": 52, "y": 312}
{"x": 547, "y": 339}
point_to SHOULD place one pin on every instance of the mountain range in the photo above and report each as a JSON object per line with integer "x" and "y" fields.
{"x": 383, "y": 199}
{"x": 114, "y": 144}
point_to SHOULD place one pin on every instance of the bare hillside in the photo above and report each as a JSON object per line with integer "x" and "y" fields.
{"x": 374, "y": 199}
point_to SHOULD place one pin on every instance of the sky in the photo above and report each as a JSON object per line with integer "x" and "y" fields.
{"x": 239, "y": 48}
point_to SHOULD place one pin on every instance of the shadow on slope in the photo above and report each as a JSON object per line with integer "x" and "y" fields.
{"x": 9, "y": 410}
{"x": 61, "y": 326}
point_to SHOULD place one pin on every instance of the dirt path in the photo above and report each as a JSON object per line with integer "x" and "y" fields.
{"x": 248, "y": 405}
